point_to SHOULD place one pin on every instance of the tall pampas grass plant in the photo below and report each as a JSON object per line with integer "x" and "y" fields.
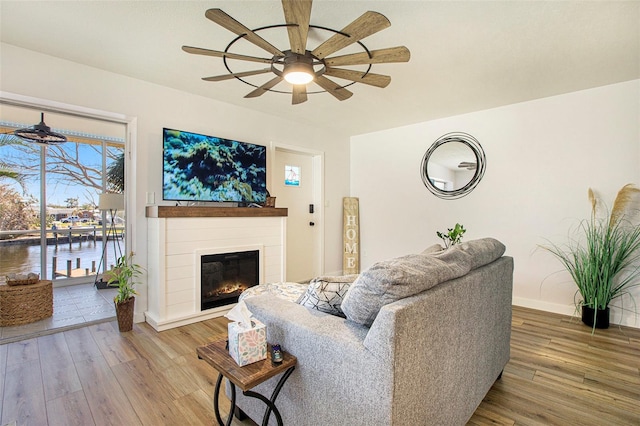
{"x": 605, "y": 262}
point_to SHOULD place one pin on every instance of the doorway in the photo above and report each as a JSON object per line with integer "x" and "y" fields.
{"x": 296, "y": 182}
{"x": 61, "y": 230}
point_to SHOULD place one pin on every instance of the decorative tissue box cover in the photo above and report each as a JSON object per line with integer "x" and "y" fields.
{"x": 248, "y": 345}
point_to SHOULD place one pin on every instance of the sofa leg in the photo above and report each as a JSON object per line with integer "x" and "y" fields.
{"x": 500, "y": 375}
{"x": 239, "y": 414}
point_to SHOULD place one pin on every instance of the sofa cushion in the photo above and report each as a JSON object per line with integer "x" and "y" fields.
{"x": 482, "y": 251}
{"x": 326, "y": 293}
{"x": 436, "y": 248}
{"x": 394, "y": 279}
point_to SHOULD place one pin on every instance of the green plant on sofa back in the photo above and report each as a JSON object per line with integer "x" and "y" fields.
{"x": 453, "y": 235}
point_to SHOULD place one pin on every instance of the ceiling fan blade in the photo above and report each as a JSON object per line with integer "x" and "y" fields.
{"x": 226, "y": 21}
{"x": 218, "y": 54}
{"x": 392, "y": 54}
{"x": 236, "y": 74}
{"x": 339, "y": 92}
{"x": 297, "y": 13}
{"x": 467, "y": 165}
{"x": 299, "y": 94}
{"x": 368, "y": 23}
{"x": 371, "y": 79}
{"x": 265, "y": 87}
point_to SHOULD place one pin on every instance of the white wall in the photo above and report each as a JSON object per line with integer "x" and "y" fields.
{"x": 32, "y": 74}
{"x": 542, "y": 156}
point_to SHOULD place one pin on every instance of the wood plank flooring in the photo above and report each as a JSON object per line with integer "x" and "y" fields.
{"x": 562, "y": 374}
{"x": 559, "y": 373}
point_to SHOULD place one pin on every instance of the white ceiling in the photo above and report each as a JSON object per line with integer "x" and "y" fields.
{"x": 465, "y": 55}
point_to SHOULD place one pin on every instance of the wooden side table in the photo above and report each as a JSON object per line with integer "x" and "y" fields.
{"x": 217, "y": 355}
{"x": 24, "y": 304}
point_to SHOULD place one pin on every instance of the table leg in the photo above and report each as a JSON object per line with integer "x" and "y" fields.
{"x": 270, "y": 407}
{"x": 216, "y": 408}
{"x": 271, "y": 403}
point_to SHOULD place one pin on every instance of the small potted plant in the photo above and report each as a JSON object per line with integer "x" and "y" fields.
{"x": 123, "y": 276}
{"x": 453, "y": 235}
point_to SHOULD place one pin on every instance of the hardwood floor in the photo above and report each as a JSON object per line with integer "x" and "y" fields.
{"x": 558, "y": 374}
{"x": 561, "y": 374}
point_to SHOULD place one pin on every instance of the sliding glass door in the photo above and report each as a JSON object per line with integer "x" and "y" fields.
{"x": 50, "y": 221}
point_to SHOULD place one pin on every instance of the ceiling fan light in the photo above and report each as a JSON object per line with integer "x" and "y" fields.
{"x": 298, "y": 73}
{"x": 298, "y": 77}
{"x": 40, "y": 133}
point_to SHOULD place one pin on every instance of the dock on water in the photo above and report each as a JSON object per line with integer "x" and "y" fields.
{"x": 71, "y": 272}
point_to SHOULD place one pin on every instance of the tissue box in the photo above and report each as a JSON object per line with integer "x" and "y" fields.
{"x": 248, "y": 345}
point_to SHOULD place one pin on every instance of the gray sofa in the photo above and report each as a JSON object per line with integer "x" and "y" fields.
{"x": 427, "y": 358}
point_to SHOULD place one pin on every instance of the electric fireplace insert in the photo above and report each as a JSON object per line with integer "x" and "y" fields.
{"x": 225, "y": 276}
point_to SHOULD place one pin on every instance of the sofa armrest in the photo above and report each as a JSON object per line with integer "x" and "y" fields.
{"x": 334, "y": 367}
{"x": 449, "y": 344}
{"x": 290, "y": 322}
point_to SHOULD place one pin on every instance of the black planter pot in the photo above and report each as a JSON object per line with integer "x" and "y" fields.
{"x": 601, "y": 317}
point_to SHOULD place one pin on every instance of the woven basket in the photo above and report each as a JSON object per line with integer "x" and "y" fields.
{"x": 22, "y": 282}
{"x": 23, "y": 304}
{"x": 124, "y": 314}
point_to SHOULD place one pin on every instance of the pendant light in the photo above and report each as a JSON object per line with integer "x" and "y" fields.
{"x": 40, "y": 133}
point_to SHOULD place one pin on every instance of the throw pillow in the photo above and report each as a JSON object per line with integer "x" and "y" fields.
{"x": 326, "y": 293}
{"x": 285, "y": 290}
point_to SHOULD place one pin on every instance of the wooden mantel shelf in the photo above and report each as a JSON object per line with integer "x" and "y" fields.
{"x": 203, "y": 211}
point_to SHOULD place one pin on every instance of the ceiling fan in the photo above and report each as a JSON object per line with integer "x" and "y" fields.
{"x": 299, "y": 66}
{"x": 40, "y": 133}
{"x": 469, "y": 165}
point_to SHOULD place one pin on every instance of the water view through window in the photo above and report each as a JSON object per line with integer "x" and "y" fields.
{"x": 50, "y": 222}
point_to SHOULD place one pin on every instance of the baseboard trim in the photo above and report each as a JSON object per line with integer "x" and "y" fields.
{"x": 540, "y": 305}
{"x": 570, "y": 310}
{"x": 162, "y": 325}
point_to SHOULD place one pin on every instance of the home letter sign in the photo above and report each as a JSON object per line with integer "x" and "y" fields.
{"x": 351, "y": 236}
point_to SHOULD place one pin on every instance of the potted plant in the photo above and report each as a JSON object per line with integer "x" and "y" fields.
{"x": 453, "y": 235}
{"x": 604, "y": 262}
{"x": 123, "y": 276}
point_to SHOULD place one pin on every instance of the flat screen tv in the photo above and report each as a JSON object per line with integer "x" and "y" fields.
{"x": 206, "y": 168}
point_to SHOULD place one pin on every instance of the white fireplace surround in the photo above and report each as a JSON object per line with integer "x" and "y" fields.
{"x": 175, "y": 245}
{"x": 224, "y": 250}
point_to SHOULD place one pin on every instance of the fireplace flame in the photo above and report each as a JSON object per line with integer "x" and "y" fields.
{"x": 231, "y": 289}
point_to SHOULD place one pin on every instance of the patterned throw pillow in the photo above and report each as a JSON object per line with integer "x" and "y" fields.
{"x": 325, "y": 294}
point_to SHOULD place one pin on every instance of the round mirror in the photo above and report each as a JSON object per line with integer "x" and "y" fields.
{"x": 453, "y": 165}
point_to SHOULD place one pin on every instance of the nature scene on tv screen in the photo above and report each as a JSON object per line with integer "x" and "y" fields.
{"x": 206, "y": 168}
